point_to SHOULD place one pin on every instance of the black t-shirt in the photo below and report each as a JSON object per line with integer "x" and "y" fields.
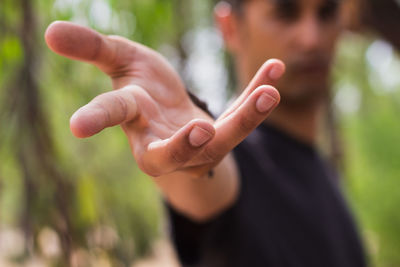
{"x": 289, "y": 213}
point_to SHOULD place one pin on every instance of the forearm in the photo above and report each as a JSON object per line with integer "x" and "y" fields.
{"x": 202, "y": 198}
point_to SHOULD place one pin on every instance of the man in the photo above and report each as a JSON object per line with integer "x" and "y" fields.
{"x": 270, "y": 202}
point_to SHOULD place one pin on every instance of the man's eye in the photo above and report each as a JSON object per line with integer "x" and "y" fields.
{"x": 287, "y": 11}
{"x": 329, "y": 10}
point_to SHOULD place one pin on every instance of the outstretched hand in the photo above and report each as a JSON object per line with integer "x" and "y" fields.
{"x": 166, "y": 131}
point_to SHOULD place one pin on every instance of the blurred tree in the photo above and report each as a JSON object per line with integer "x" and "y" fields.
{"x": 369, "y": 93}
{"x": 32, "y": 141}
{"x": 50, "y": 179}
{"x": 90, "y": 191}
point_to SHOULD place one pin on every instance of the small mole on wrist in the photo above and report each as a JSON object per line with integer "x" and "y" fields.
{"x": 211, "y": 174}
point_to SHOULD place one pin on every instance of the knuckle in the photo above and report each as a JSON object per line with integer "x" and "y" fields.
{"x": 99, "y": 43}
{"x": 122, "y": 105}
{"x": 106, "y": 113}
{"x": 146, "y": 166}
{"x": 245, "y": 123}
{"x": 149, "y": 169}
{"x": 123, "y": 53}
{"x": 178, "y": 155}
{"x": 211, "y": 155}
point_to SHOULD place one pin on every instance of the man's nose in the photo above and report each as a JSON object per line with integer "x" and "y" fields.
{"x": 308, "y": 37}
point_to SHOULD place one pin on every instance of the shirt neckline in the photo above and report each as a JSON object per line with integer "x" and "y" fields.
{"x": 285, "y": 136}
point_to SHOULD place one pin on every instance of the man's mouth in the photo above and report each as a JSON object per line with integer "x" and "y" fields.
{"x": 310, "y": 67}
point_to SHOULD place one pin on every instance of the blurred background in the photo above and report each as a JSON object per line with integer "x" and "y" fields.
{"x": 65, "y": 201}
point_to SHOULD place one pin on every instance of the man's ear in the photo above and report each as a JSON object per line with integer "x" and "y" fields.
{"x": 227, "y": 24}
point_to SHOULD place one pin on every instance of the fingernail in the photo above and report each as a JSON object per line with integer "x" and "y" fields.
{"x": 276, "y": 72}
{"x": 199, "y": 136}
{"x": 265, "y": 102}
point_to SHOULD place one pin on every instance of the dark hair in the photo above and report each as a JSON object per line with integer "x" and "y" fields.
{"x": 236, "y": 4}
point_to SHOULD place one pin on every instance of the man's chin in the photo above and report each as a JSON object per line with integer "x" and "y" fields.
{"x": 304, "y": 93}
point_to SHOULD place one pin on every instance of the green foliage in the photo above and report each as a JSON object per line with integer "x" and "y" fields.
{"x": 98, "y": 184}
{"x": 372, "y": 144}
{"x": 48, "y": 178}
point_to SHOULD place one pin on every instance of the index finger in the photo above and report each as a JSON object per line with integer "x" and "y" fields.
{"x": 78, "y": 42}
{"x": 109, "y": 53}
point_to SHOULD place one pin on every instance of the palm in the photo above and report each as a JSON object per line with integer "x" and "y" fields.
{"x": 163, "y": 102}
{"x": 167, "y": 132}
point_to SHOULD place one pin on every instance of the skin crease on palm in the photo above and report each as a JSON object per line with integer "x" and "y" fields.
{"x": 170, "y": 137}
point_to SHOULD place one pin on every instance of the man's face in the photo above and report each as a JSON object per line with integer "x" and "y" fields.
{"x": 302, "y": 33}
